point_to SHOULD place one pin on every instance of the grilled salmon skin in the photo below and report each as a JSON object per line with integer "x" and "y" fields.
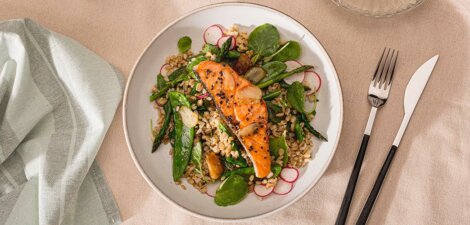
{"x": 243, "y": 110}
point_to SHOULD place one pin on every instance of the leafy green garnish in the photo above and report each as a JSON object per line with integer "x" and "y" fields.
{"x": 299, "y": 132}
{"x": 295, "y": 96}
{"x": 231, "y": 191}
{"x": 276, "y": 144}
{"x": 161, "y": 82}
{"x": 273, "y": 109}
{"x": 274, "y": 68}
{"x": 289, "y": 51}
{"x": 264, "y": 41}
{"x": 184, "y": 44}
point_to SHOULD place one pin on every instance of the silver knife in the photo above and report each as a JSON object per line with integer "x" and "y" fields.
{"x": 413, "y": 92}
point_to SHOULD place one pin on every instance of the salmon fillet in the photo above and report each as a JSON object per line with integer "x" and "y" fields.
{"x": 246, "y": 114}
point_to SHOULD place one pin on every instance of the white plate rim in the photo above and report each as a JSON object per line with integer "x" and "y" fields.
{"x": 142, "y": 172}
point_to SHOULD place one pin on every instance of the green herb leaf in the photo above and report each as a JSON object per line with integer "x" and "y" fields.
{"x": 289, "y": 51}
{"x": 231, "y": 191}
{"x": 274, "y": 68}
{"x": 273, "y": 109}
{"x": 263, "y": 40}
{"x": 276, "y": 144}
{"x": 184, "y": 44}
{"x": 161, "y": 82}
{"x": 296, "y": 97}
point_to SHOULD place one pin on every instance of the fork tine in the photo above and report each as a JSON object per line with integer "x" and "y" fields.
{"x": 386, "y": 69}
{"x": 382, "y": 65}
{"x": 393, "y": 69}
{"x": 378, "y": 64}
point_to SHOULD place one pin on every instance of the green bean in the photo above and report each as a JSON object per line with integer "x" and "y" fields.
{"x": 159, "y": 138}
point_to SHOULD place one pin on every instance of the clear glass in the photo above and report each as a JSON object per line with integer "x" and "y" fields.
{"x": 378, "y": 8}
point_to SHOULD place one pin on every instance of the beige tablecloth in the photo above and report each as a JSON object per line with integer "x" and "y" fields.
{"x": 429, "y": 182}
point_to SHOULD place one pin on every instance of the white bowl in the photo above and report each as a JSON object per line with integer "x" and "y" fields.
{"x": 137, "y": 110}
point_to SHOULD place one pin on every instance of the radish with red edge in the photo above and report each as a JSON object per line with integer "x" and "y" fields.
{"x": 223, "y": 39}
{"x": 212, "y": 188}
{"x": 203, "y": 96}
{"x": 291, "y": 65}
{"x": 212, "y": 34}
{"x": 289, "y": 175}
{"x": 283, "y": 188}
{"x": 313, "y": 81}
{"x": 262, "y": 191}
{"x": 164, "y": 70}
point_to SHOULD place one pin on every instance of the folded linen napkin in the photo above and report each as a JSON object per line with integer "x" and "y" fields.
{"x": 57, "y": 100}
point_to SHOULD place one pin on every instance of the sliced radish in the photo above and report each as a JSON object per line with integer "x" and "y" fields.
{"x": 289, "y": 175}
{"x": 212, "y": 188}
{"x": 291, "y": 65}
{"x": 223, "y": 39}
{"x": 313, "y": 81}
{"x": 164, "y": 70}
{"x": 262, "y": 191}
{"x": 203, "y": 96}
{"x": 282, "y": 187}
{"x": 212, "y": 34}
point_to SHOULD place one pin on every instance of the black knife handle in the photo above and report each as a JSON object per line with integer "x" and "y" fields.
{"x": 343, "y": 212}
{"x": 376, "y": 189}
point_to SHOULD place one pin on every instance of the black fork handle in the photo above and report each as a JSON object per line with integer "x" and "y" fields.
{"x": 343, "y": 212}
{"x": 376, "y": 189}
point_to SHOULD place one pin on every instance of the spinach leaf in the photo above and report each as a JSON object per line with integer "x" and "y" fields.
{"x": 289, "y": 51}
{"x": 210, "y": 48}
{"x": 184, "y": 136}
{"x": 264, "y": 41}
{"x": 274, "y": 68}
{"x": 161, "y": 82}
{"x": 279, "y": 143}
{"x": 276, "y": 169}
{"x": 231, "y": 191}
{"x": 295, "y": 96}
{"x": 299, "y": 132}
{"x": 184, "y": 44}
{"x": 196, "y": 157}
{"x": 273, "y": 109}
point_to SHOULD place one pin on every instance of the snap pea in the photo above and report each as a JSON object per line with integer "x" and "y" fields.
{"x": 196, "y": 157}
{"x": 279, "y": 77}
{"x": 272, "y": 95}
{"x": 184, "y": 136}
{"x": 231, "y": 191}
{"x": 159, "y": 138}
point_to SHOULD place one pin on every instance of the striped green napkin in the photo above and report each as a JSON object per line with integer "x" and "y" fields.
{"x": 57, "y": 100}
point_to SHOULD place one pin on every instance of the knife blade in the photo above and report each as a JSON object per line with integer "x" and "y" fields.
{"x": 413, "y": 92}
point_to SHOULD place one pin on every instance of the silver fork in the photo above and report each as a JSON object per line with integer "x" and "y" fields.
{"x": 379, "y": 90}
